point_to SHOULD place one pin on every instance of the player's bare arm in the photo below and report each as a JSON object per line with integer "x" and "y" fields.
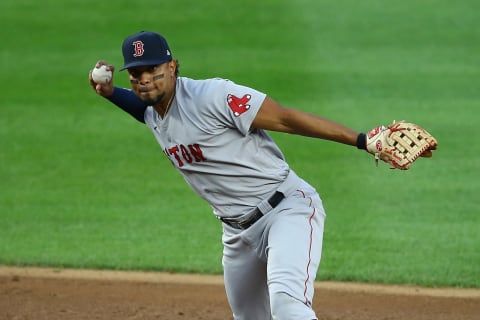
{"x": 274, "y": 117}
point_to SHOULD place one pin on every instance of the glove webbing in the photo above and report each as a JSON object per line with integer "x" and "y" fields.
{"x": 408, "y": 141}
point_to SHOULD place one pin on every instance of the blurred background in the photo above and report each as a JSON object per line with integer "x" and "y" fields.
{"x": 84, "y": 185}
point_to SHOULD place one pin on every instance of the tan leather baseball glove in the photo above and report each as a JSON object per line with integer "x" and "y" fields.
{"x": 400, "y": 144}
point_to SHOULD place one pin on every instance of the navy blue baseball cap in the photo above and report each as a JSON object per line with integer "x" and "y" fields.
{"x": 145, "y": 49}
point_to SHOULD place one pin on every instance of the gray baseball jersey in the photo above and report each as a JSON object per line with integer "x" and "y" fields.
{"x": 231, "y": 169}
{"x": 207, "y": 136}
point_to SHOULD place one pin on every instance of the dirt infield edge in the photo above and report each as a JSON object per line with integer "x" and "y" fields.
{"x": 164, "y": 277}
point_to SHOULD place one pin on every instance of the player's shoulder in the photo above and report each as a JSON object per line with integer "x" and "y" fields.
{"x": 203, "y": 85}
{"x": 213, "y": 90}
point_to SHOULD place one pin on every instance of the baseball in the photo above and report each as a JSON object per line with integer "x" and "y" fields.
{"x": 101, "y": 75}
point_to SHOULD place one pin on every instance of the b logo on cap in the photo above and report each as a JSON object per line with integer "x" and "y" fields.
{"x": 138, "y": 48}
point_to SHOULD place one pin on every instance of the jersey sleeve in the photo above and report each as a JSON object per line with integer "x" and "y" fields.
{"x": 126, "y": 100}
{"x": 238, "y": 105}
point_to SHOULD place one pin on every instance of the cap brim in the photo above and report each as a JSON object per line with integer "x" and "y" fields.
{"x": 144, "y": 63}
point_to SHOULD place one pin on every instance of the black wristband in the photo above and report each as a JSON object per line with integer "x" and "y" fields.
{"x": 362, "y": 141}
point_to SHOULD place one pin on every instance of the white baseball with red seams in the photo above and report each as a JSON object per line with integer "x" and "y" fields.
{"x": 101, "y": 75}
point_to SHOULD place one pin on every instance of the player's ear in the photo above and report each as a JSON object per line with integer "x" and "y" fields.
{"x": 172, "y": 66}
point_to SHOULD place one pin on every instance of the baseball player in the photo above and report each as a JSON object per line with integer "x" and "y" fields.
{"x": 214, "y": 133}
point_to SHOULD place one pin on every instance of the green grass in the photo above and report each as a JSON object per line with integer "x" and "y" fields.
{"x": 83, "y": 185}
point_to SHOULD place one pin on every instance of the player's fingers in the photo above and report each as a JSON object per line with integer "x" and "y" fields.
{"x": 103, "y": 89}
{"x": 110, "y": 67}
{"x": 98, "y": 88}
{"x": 100, "y": 63}
{"x": 427, "y": 154}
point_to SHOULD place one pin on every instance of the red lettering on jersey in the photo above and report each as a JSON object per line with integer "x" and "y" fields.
{"x": 196, "y": 152}
{"x": 183, "y": 153}
{"x": 138, "y": 47}
{"x": 238, "y": 105}
{"x": 174, "y": 151}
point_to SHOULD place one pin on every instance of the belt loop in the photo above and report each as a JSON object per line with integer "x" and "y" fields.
{"x": 264, "y": 206}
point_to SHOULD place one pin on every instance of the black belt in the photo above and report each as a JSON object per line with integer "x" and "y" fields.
{"x": 245, "y": 224}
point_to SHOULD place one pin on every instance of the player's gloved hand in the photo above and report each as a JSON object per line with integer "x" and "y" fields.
{"x": 400, "y": 144}
{"x": 103, "y": 89}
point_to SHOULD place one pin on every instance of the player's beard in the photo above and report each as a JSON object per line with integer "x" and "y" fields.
{"x": 149, "y": 100}
{"x": 155, "y": 100}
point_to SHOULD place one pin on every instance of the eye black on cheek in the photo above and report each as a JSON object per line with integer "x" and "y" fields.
{"x": 159, "y": 76}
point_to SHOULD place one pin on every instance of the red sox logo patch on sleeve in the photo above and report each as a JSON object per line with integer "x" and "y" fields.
{"x": 238, "y": 105}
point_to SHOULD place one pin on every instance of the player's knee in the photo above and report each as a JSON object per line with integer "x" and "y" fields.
{"x": 284, "y": 306}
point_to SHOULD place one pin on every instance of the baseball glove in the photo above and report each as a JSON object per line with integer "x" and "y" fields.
{"x": 400, "y": 144}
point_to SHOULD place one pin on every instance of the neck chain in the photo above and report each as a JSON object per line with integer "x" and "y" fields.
{"x": 168, "y": 106}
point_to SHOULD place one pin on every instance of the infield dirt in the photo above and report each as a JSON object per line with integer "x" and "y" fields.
{"x": 54, "y": 294}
